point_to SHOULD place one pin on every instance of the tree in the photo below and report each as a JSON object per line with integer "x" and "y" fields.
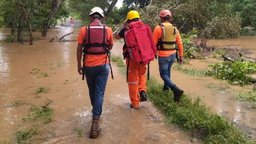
{"x": 136, "y": 3}
{"x": 27, "y": 16}
{"x": 53, "y": 7}
{"x": 83, "y": 7}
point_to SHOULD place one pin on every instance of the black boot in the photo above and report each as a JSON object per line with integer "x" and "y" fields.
{"x": 165, "y": 88}
{"x": 177, "y": 93}
{"x": 143, "y": 96}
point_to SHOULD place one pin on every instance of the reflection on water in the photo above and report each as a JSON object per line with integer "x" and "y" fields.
{"x": 4, "y": 67}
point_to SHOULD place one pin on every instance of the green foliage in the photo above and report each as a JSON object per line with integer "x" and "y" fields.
{"x": 247, "y": 96}
{"x": 136, "y": 3}
{"x": 44, "y": 113}
{"x": 188, "y": 46}
{"x": 41, "y": 89}
{"x": 117, "y": 16}
{"x": 192, "y": 71}
{"x": 234, "y": 73}
{"x": 10, "y": 38}
{"x": 195, "y": 117}
{"x": 23, "y": 136}
{"x": 120, "y": 63}
{"x": 247, "y": 32}
{"x": 222, "y": 28}
{"x": 79, "y": 132}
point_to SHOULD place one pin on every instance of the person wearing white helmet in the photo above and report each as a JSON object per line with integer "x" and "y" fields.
{"x": 95, "y": 40}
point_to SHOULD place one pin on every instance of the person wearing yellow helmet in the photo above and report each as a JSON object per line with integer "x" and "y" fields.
{"x": 136, "y": 77}
{"x": 95, "y": 40}
{"x": 132, "y": 15}
{"x": 166, "y": 36}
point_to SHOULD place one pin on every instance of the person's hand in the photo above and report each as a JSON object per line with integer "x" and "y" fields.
{"x": 80, "y": 70}
{"x": 124, "y": 23}
{"x": 180, "y": 59}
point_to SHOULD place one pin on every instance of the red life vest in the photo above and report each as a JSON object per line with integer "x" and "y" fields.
{"x": 139, "y": 43}
{"x": 96, "y": 39}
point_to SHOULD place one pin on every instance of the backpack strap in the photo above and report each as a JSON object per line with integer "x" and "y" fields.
{"x": 89, "y": 45}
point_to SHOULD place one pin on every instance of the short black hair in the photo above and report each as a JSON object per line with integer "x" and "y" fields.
{"x": 96, "y": 15}
{"x": 166, "y": 17}
{"x": 133, "y": 20}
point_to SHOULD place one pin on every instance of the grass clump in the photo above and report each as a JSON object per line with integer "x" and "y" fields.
{"x": 24, "y": 136}
{"x": 44, "y": 113}
{"x": 194, "y": 72}
{"x": 79, "y": 132}
{"x": 42, "y": 90}
{"x": 247, "y": 96}
{"x": 234, "y": 72}
{"x": 119, "y": 62}
{"x": 195, "y": 117}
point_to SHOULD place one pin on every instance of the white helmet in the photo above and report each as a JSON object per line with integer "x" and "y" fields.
{"x": 97, "y": 10}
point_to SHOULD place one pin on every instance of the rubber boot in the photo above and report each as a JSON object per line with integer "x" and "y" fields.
{"x": 177, "y": 93}
{"x": 165, "y": 88}
{"x": 143, "y": 96}
{"x": 95, "y": 130}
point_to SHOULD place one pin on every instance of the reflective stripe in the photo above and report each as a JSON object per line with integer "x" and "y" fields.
{"x": 132, "y": 82}
{"x": 101, "y": 27}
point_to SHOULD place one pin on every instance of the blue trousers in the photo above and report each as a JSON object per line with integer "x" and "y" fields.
{"x": 96, "y": 78}
{"x": 165, "y": 65}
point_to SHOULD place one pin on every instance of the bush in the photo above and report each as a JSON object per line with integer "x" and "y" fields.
{"x": 222, "y": 28}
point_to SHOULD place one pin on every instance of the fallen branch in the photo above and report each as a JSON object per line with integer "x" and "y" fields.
{"x": 66, "y": 35}
{"x": 47, "y": 104}
{"x": 227, "y": 58}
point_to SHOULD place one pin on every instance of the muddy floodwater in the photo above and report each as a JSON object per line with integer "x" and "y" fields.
{"x": 51, "y": 66}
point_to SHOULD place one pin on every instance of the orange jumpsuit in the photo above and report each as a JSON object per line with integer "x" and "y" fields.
{"x": 136, "y": 79}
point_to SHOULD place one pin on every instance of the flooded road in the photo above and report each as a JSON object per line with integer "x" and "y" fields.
{"x": 51, "y": 66}
{"x": 45, "y": 73}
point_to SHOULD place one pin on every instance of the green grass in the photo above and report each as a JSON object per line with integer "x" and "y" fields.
{"x": 79, "y": 132}
{"x": 36, "y": 113}
{"x": 193, "y": 116}
{"x": 247, "y": 96}
{"x": 232, "y": 72}
{"x": 119, "y": 62}
{"x": 24, "y": 136}
{"x": 194, "y": 72}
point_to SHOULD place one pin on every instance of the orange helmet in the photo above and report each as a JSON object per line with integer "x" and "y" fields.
{"x": 165, "y": 13}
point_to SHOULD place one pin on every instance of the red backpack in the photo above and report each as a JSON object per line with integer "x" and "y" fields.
{"x": 140, "y": 43}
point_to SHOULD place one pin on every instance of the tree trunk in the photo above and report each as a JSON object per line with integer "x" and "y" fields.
{"x": 55, "y": 7}
{"x": 20, "y": 24}
{"x": 110, "y": 8}
{"x": 28, "y": 21}
{"x": 13, "y": 26}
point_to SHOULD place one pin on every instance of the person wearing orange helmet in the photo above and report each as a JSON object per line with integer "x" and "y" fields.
{"x": 136, "y": 77}
{"x": 166, "y": 36}
{"x": 95, "y": 40}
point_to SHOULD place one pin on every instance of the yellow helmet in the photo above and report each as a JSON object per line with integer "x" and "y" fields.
{"x": 132, "y": 15}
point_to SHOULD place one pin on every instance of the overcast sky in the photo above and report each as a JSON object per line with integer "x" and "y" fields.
{"x": 119, "y": 3}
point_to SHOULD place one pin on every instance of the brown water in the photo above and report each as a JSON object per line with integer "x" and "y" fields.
{"x": 23, "y": 69}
